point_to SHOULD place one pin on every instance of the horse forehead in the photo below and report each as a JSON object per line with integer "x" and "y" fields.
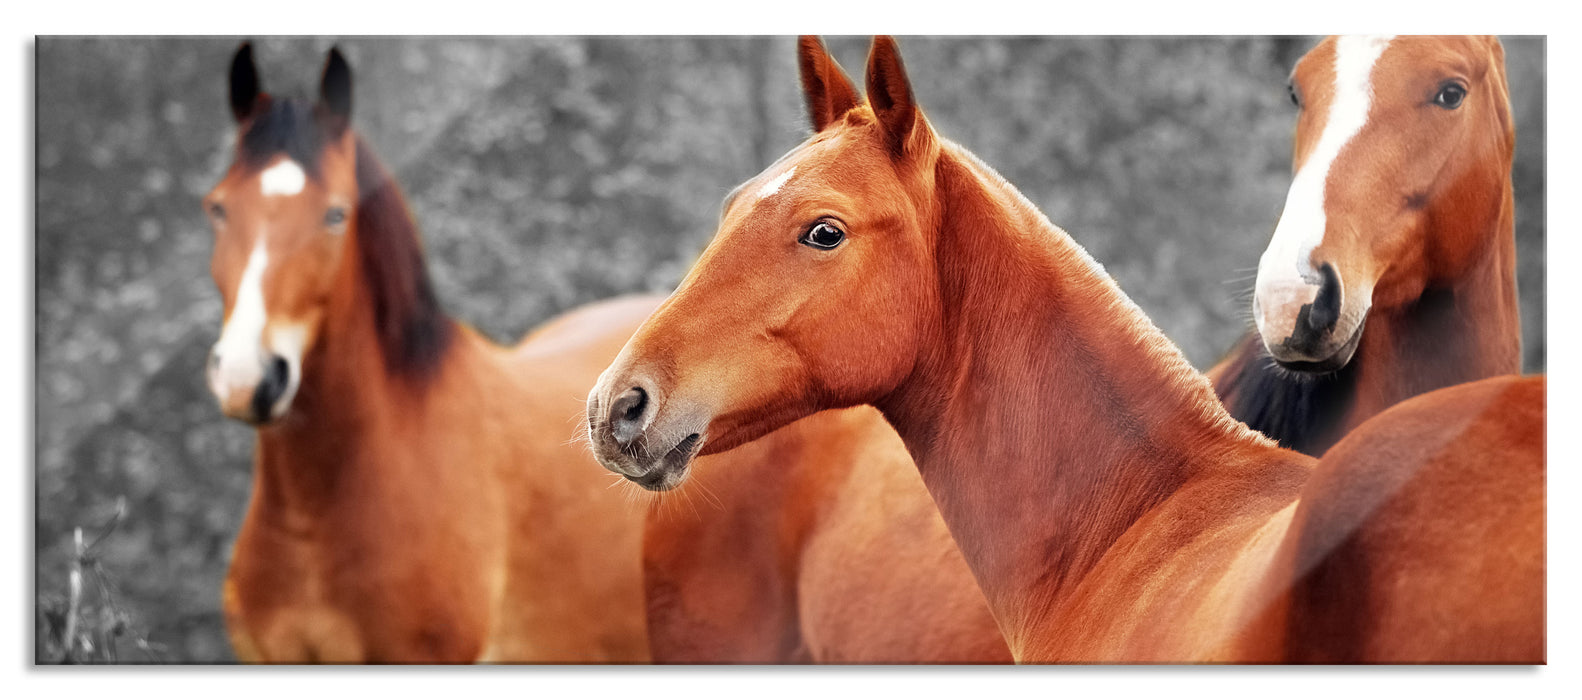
{"x": 1408, "y": 51}
{"x": 1411, "y": 66}
{"x": 283, "y": 177}
{"x": 773, "y": 185}
{"x": 772, "y": 180}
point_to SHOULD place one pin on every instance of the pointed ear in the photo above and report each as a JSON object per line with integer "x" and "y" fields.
{"x": 335, "y": 92}
{"x": 244, "y": 83}
{"x": 890, "y": 95}
{"x": 825, "y": 87}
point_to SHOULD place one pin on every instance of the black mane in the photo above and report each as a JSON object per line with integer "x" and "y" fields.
{"x": 1300, "y": 412}
{"x": 414, "y": 331}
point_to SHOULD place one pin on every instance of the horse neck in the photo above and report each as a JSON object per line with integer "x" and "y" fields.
{"x": 1470, "y": 324}
{"x": 353, "y": 392}
{"x": 1049, "y": 415}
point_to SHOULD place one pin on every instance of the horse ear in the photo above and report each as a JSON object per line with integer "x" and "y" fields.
{"x": 244, "y": 82}
{"x": 825, "y": 87}
{"x": 335, "y": 90}
{"x": 890, "y": 95}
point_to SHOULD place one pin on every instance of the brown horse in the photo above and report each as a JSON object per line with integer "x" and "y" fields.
{"x": 1109, "y": 507}
{"x": 817, "y": 544}
{"x": 1400, "y": 220}
{"x": 416, "y": 494}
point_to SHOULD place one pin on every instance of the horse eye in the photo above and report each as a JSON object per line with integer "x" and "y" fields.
{"x": 1450, "y": 95}
{"x": 216, "y": 211}
{"x": 823, "y": 236}
{"x": 1290, "y": 91}
{"x": 335, "y": 217}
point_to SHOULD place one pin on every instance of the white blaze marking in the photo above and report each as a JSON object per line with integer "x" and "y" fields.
{"x": 1286, "y": 266}
{"x": 774, "y": 185}
{"x": 283, "y": 178}
{"x": 240, "y": 366}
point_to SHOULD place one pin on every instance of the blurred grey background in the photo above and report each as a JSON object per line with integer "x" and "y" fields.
{"x": 548, "y": 172}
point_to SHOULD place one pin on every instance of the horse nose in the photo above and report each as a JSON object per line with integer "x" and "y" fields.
{"x": 277, "y": 375}
{"x": 1312, "y": 335}
{"x": 628, "y": 416}
{"x": 1325, "y": 311}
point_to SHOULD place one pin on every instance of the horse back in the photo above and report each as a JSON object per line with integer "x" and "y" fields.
{"x": 1421, "y": 536}
{"x": 573, "y": 592}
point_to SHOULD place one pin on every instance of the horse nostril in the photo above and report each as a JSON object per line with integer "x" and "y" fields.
{"x": 269, "y": 390}
{"x": 1326, "y": 306}
{"x": 626, "y": 415}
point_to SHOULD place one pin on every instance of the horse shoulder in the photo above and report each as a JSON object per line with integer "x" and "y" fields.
{"x": 882, "y": 580}
{"x": 720, "y": 557}
{"x": 1189, "y": 582}
{"x": 593, "y": 321}
{"x": 571, "y": 544}
{"x": 1421, "y": 535}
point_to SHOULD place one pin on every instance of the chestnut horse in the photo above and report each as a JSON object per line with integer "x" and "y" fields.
{"x": 1108, "y": 506}
{"x": 826, "y": 549}
{"x": 1400, "y": 220}
{"x": 416, "y": 494}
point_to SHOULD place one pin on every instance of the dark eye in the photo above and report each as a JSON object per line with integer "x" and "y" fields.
{"x": 335, "y": 217}
{"x": 1290, "y": 91}
{"x": 1450, "y": 95}
{"x": 216, "y": 211}
{"x": 823, "y": 236}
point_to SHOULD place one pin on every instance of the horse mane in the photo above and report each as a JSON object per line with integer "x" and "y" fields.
{"x": 1297, "y": 411}
{"x": 1188, "y": 385}
{"x": 412, "y": 330}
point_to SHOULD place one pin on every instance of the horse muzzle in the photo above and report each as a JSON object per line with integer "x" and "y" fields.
{"x": 632, "y": 436}
{"x": 256, "y": 390}
{"x": 1309, "y": 325}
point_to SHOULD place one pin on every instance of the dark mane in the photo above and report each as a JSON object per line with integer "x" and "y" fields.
{"x": 413, "y": 330}
{"x": 1297, "y": 411}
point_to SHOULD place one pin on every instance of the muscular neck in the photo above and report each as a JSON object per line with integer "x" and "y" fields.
{"x": 1049, "y": 415}
{"x": 1470, "y": 325}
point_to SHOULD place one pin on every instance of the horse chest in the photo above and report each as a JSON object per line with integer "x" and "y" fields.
{"x": 278, "y": 610}
{"x": 299, "y": 600}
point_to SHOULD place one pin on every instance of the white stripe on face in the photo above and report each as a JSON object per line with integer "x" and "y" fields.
{"x": 774, "y": 185}
{"x": 1285, "y": 272}
{"x": 283, "y": 178}
{"x": 240, "y": 367}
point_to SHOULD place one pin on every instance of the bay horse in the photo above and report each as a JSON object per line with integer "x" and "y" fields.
{"x": 1400, "y": 220}
{"x": 1109, "y": 507}
{"x": 416, "y": 496}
